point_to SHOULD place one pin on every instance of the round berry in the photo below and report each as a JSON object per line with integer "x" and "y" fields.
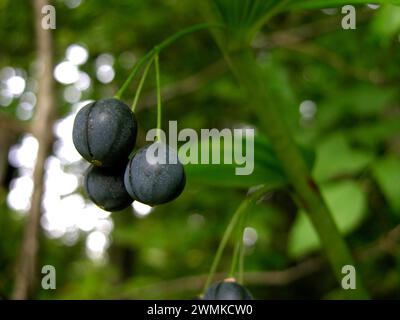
{"x": 154, "y": 175}
{"x": 227, "y": 290}
{"x": 105, "y": 187}
{"x": 104, "y": 132}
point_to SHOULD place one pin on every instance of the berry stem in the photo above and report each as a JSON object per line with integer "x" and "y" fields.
{"x": 234, "y": 261}
{"x": 156, "y": 49}
{"x": 140, "y": 86}
{"x": 159, "y": 111}
{"x": 238, "y": 255}
{"x": 229, "y": 229}
{"x": 133, "y": 73}
{"x": 241, "y": 250}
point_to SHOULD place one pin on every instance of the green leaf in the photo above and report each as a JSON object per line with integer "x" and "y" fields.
{"x": 346, "y": 201}
{"x": 387, "y": 174}
{"x": 243, "y": 17}
{"x": 267, "y": 169}
{"x": 373, "y": 134}
{"x": 355, "y": 101}
{"x": 242, "y": 14}
{"x": 386, "y": 23}
{"x": 335, "y": 156}
{"x": 321, "y": 4}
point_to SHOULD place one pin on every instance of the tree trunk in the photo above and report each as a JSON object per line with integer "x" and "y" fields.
{"x": 42, "y": 128}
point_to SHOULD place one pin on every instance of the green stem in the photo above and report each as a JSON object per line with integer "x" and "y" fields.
{"x": 157, "y": 67}
{"x": 140, "y": 86}
{"x": 241, "y": 250}
{"x": 273, "y": 123}
{"x": 133, "y": 73}
{"x": 228, "y": 231}
{"x": 156, "y": 49}
{"x": 234, "y": 260}
{"x": 241, "y": 263}
{"x": 237, "y": 263}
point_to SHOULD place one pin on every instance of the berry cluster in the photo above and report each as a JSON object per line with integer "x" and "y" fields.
{"x": 104, "y": 133}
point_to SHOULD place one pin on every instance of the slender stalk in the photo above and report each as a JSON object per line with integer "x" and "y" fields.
{"x": 241, "y": 262}
{"x": 133, "y": 73}
{"x": 159, "y": 111}
{"x": 273, "y": 123}
{"x": 156, "y": 49}
{"x": 237, "y": 264}
{"x": 234, "y": 261}
{"x": 228, "y": 231}
{"x": 140, "y": 85}
{"x": 241, "y": 250}
{"x": 184, "y": 32}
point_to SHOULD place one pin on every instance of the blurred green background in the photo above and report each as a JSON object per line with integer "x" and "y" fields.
{"x": 338, "y": 89}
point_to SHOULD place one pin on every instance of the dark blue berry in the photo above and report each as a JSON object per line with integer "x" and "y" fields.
{"x": 104, "y": 132}
{"x": 152, "y": 182}
{"x": 227, "y": 290}
{"x": 105, "y": 187}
